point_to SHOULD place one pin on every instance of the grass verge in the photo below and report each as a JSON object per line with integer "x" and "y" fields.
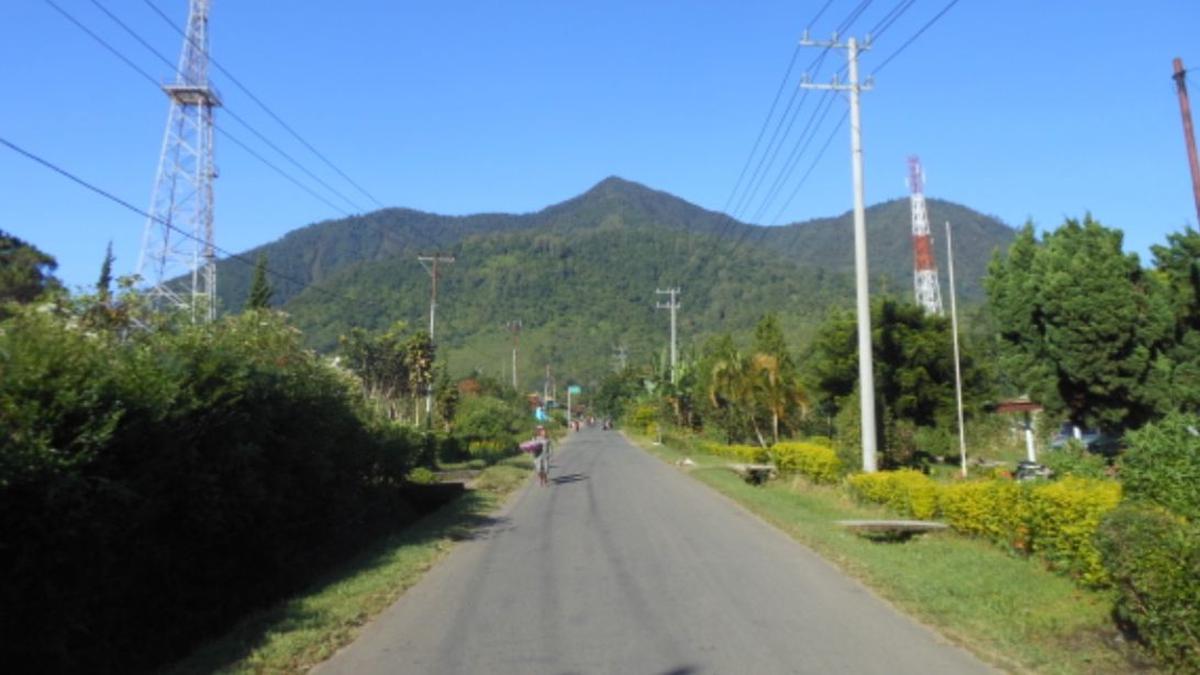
{"x": 299, "y": 633}
{"x": 1009, "y": 610}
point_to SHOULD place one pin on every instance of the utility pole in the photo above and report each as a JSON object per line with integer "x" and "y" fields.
{"x": 962, "y": 434}
{"x": 866, "y": 375}
{"x": 1189, "y": 136}
{"x": 673, "y": 305}
{"x": 430, "y": 263}
{"x": 514, "y": 327}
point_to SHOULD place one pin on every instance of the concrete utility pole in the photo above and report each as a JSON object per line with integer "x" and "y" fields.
{"x": 673, "y": 305}
{"x": 962, "y": 437}
{"x": 514, "y": 327}
{"x": 1189, "y": 136}
{"x": 430, "y": 263}
{"x": 866, "y": 375}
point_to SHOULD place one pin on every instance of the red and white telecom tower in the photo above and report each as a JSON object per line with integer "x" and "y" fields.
{"x": 925, "y": 276}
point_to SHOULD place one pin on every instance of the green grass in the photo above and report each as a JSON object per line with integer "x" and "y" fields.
{"x": 1007, "y": 609}
{"x": 299, "y": 633}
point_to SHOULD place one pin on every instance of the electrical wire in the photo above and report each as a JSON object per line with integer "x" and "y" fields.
{"x": 150, "y": 78}
{"x": 125, "y": 204}
{"x": 890, "y": 18}
{"x": 913, "y": 38}
{"x": 229, "y": 111}
{"x": 264, "y": 106}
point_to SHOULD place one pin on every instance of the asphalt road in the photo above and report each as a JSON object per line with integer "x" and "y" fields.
{"x": 625, "y": 565}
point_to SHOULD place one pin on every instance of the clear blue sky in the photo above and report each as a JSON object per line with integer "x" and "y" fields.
{"x": 1022, "y": 109}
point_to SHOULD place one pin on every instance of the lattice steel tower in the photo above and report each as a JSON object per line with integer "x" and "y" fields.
{"x": 925, "y": 276}
{"x": 182, "y": 199}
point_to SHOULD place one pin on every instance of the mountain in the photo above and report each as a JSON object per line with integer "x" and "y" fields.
{"x": 581, "y": 275}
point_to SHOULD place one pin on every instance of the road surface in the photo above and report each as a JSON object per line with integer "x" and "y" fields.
{"x": 625, "y": 565}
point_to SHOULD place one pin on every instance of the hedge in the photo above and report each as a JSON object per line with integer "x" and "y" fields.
{"x": 742, "y": 453}
{"x": 818, "y": 463}
{"x": 1057, "y": 520}
{"x": 908, "y": 492}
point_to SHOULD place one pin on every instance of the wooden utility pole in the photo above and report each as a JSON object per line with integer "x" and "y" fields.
{"x": 1189, "y": 136}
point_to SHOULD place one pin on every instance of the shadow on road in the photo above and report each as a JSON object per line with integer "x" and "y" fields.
{"x": 479, "y": 527}
{"x": 569, "y": 478}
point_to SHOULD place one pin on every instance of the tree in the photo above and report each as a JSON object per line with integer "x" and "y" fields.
{"x": 1082, "y": 326}
{"x": 914, "y": 373}
{"x": 104, "y": 283}
{"x": 25, "y": 271}
{"x": 1177, "y": 266}
{"x": 260, "y": 289}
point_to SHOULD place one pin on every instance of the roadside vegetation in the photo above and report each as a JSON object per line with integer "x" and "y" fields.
{"x": 160, "y": 479}
{"x": 1073, "y": 323}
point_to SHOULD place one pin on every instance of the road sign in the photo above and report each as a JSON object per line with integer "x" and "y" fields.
{"x": 574, "y": 389}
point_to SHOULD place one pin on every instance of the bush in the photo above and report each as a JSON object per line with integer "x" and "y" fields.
{"x": 908, "y": 492}
{"x": 750, "y": 454}
{"x": 1162, "y": 464}
{"x": 159, "y": 486}
{"x": 489, "y": 419}
{"x": 1073, "y": 459}
{"x": 1153, "y": 558}
{"x": 1063, "y": 518}
{"x": 421, "y": 476}
{"x": 991, "y": 509}
{"x": 818, "y": 463}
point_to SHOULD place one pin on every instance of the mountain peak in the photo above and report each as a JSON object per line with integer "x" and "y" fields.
{"x": 617, "y": 185}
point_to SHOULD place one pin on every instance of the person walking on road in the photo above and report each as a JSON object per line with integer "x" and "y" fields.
{"x": 541, "y": 457}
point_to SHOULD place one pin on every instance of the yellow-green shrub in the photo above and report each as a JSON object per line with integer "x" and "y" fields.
{"x": 739, "y": 453}
{"x": 818, "y": 463}
{"x": 992, "y": 509}
{"x": 906, "y": 491}
{"x": 1063, "y": 519}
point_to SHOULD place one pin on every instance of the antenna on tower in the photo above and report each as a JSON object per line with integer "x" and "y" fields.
{"x": 182, "y": 198}
{"x": 925, "y": 276}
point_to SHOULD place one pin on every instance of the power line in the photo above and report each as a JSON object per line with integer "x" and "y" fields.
{"x": 853, "y": 16}
{"x": 125, "y": 204}
{"x": 765, "y": 163}
{"x": 151, "y": 79}
{"x": 771, "y": 111}
{"x": 914, "y": 37}
{"x": 762, "y": 232}
{"x": 267, "y": 109}
{"x": 890, "y": 18}
{"x": 789, "y": 164}
{"x": 238, "y": 118}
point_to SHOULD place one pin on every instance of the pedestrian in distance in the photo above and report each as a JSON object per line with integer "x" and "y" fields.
{"x": 541, "y": 455}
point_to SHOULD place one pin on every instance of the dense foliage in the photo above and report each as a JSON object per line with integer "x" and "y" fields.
{"x": 914, "y": 379}
{"x": 581, "y": 275}
{"x": 156, "y": 484}
{"x": 25, "y": 272}
{"x": 1081, "y": 324}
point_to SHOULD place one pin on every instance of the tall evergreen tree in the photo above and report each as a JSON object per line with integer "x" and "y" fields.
{"x": 1083, "y": 327}
{"x": 104, "y": 283}
{"x": 260, "y": 289}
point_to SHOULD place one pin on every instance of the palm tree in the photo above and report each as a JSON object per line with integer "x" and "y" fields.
{"x": 778, "y": 390}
